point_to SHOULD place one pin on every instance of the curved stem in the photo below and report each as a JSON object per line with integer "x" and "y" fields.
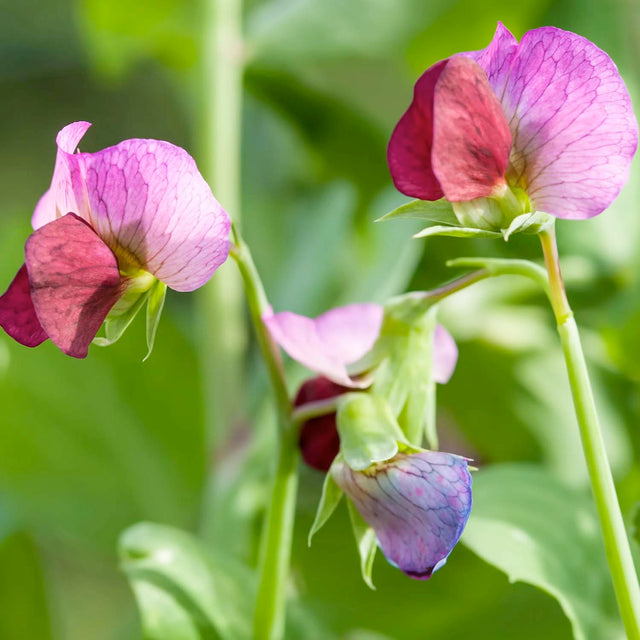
{"x": 617, "y": 548}
{"x": 269, "y": 615}
{"x": 311, "y": 410}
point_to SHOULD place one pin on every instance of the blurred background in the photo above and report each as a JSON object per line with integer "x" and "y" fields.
{"x": 88, "y": 448}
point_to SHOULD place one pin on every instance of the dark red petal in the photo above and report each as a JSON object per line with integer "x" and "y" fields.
{"x": 409, "y": 152}
{"x": 17, "y": 314}
{"x": 319, "y": 441}
{"x": 471, "y": 137}
{"x": 74, "y": 282}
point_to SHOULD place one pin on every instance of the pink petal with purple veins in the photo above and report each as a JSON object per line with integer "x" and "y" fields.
{"x": 409, "y": 150}
{"x": 417, "y": 504}
{"x": 445, "y": 355}
{"x": 66, "y": 193}
{"x": 328, "y": 343}
{"x": 74, "y": 282}
{"x": 147, "y": 200}
{"x": 17, "y": 314}
{"x": 574, "y": 132}
{"x": 148, "y": 197}
{"x": 471, "y": 138}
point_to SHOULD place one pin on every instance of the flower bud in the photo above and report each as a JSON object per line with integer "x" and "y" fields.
{"x": 319, "y": 441}
{"x": 417, "y": 504}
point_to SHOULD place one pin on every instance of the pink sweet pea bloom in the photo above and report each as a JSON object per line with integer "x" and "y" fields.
{"x": 342, "y": 336}
{"x": 111, "y": 222}
{"x": 549, "y": 116}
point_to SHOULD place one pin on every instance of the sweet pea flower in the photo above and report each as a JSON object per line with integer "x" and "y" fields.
{"x": 417, "y": 504}
{"x": 111, "y": 224}
{"x": 543, "y": 125}
{"x": 341, "y": 337}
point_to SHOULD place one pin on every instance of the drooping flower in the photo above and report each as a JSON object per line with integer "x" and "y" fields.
{"x": 542, "y": 125}
{"x": 327, "y": 345}
{"x": 111, "y": 225}
{"x": 418, "y": 505}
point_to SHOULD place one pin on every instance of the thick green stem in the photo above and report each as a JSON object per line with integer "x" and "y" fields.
{"x": 625, "y": 579}
{"x": 269, "y": 620}
{"x": 221, "y": 305}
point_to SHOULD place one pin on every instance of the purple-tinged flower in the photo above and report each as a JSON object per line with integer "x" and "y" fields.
{"x": 549, "y": 117}
{"x": 342, "y": 336}
{"x": 418, "y": 505}
{"x": 111, "y": 223}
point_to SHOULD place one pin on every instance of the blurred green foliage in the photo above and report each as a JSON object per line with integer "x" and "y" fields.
{"x": 90, "y": 448}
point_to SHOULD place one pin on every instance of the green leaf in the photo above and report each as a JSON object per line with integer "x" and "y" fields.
{"x": 331, "y": 494}
{"x": 367, "y": 545}
{"x": 440, "y": 211}
{"x": 456, "y": 232}
{"x": 538, "y": 531}
{"x": 155, "y": 305}
{"x": 183, "y": 590}
{"x": 368, "y": 431}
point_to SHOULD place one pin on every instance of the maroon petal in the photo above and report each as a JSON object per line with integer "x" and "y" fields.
{"x": 17, "y": 315}
{"x": 471, "y": 137}
{"x": 319, "y": 440}
{"x": 409, "y": 151}
{"x": 74, "y": 282}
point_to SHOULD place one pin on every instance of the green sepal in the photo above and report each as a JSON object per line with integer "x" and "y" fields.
{"x": 439, "y": 211}
{"x": 331, "y": 495}
{"x": 456, "y": 232}
{"x": 530, "y": 223}
{"x": 116, "y": 325}
{"x": 368, "y": 431}
{"x": 366, "y": 542}
{"x": 157, "y": 295}
{"x": 405, "y": 376}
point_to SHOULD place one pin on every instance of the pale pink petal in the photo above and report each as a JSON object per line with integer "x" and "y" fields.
{"x": 17, "y": 314}
{"x": 328, "y": 343}
{"x": 148, "y": 198}
{"x": 417, "y": 504}
{"x": 471, "y": 138}
{"x": 74, "y": 280}
{"x": 66, "y": 193}
{"x": 445, "y": 355}
{"x": 409, "y": 150}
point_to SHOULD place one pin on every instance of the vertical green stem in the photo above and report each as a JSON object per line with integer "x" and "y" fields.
{"x": 621, "y": 566}
{"x": 278, "y": 532}
{"x": 221, "y": 301}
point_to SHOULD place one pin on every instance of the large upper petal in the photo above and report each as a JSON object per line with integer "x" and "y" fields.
{"x": 17, "y": 314}
{"x": 328, "y": 343}
{"x": 570, "y": 115}
{"x": 74, "y": 281}
{"x": 417, "y": 504}
{"x": 147, "y": 200}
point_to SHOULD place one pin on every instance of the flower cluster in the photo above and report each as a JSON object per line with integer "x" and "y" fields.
{"x": 416, "y": 501}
